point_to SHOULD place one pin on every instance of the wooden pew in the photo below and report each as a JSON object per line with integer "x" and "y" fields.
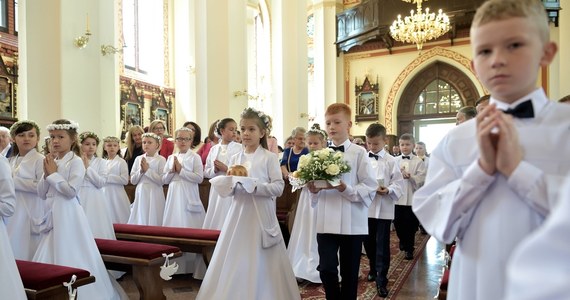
{"x": 45, "y": 281}
{"x": 142, "y": 258}
{"x": 195, "y": 240}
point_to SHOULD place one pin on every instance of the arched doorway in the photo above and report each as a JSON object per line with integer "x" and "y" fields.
{"x": 438, "y": 75}
{"x": 433, "y": 96}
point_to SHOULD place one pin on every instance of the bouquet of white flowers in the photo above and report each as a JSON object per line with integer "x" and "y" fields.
{"x": 324, "y": 164}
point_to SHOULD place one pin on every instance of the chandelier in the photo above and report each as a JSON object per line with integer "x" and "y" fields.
{"x": 419, "y": 27}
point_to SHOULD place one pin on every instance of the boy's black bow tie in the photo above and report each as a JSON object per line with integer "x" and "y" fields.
{"x": 522, "y": 111}
{"x": 339, "y": 148}
{"x": 370, "y": 154}
{"x": 406, "y": 157}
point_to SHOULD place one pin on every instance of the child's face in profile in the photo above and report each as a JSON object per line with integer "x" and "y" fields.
{"x": 507, "y": 55}
{"x": 337, "y": 126}
{"x": 315, "y": 142}
{"x": 375, "y": 144}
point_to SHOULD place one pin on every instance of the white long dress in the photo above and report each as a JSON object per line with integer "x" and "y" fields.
{"x": 183, "y": 205}
{"x": 302, "y": 249}
{"x": 10, "y": 283}
{"x": 118, "y": 204}
{"x": 67, "y": 239}
{"x": 491, "y": 214}
{"x": 250, "y": 260}
{"x": 148, "y": 207}
{"x": 92, "y": 199}
{"x": 218, "y": 206}
{"x": 24, "y": 236}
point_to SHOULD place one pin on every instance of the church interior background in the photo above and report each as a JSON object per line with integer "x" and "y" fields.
{"x": 113, "y": 64}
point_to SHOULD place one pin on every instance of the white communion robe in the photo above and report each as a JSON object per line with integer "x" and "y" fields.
{"x": 66, "y": 236}
{"x": 10, "y": 282}
{"x": 118, "y": 204}
{"x": 490, "y": 214}
{"x": 302, "y": 249}
{"x": 183, "y": 205}
{"x": 148, "y": 207}
{"x": 539, "y": 268}
{"x": 250, "y": 261}
{"x": 92, "y": 199}
{"x": 24, "y": 235}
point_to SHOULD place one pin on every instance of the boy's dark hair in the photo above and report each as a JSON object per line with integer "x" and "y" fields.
{"x": 565, "y": 99}
{"x": 375, "y": 130}
{"x": 407, "y": 137}
{"x": 197, "y": 133}
{"x": 482, "y": 99}
{"x": 469, "y": 111}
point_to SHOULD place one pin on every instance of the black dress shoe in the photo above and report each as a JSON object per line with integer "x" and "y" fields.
{"x": 382, "y": 291}
{"x": 371, "y": 276}
{"x": 409, "y": 255}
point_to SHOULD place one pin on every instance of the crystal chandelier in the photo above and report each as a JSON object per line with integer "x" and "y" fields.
{"x": 419, "y": 27}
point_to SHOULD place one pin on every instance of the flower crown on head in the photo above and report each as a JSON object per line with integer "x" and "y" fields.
{"x": 151, "y": 135}
{"x": 72, "y": 126}
{"x": 88, "y": 134}
{"x": 217, "y": 129}
{"x": 260, "y": 114}
{"x": 317, "y": 131}
{"x": 111, "y": 139}
{"x": 16, "y": 125}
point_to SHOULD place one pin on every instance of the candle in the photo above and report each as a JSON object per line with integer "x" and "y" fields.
{"x": 87, "y": 22}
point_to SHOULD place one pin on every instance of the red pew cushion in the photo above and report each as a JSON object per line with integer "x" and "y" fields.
{"x": 39, "y": 276}
{"x": 176, "y": 232}
{"x": 133, "y": 249}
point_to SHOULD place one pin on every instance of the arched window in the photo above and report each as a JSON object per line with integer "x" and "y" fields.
{"x": 439, "y": 97}
{"x": 260, "y": 83}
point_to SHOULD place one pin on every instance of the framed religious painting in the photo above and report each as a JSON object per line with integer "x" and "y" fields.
{"x": 161, "y": 108}
{"x": 6, "y": 99}
{"x": 367, "y": 102}
{"x": 132, "y": 106}
{"x": 8, "y": 90}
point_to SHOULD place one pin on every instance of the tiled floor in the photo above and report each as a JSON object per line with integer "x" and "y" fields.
{"x": 422, "y": 283}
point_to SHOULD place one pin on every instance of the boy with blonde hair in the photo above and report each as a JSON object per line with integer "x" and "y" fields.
{"x": 342, "y": 211}
{"x": 492, "y": 196}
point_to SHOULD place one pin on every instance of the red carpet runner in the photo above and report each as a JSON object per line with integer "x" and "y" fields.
{"x": 399, "y": 271}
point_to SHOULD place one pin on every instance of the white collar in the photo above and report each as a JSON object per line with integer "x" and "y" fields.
{"x": 538, "y": 98}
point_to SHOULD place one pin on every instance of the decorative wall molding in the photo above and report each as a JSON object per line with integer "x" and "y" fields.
{"x": 411, "y": 69}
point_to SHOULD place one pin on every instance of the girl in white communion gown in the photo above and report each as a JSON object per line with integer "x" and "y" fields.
{"x": 67, "y": 239}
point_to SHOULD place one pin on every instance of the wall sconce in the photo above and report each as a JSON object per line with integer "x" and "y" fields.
{"x": 245, "y": 93}
{"x": 81, "y": 41}
{"x": 303, "y": 115}
{"x": 108, "y": 50}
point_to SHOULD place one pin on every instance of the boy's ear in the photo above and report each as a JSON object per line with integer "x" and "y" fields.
{"x": 349, "y": 124}
{"x": 473, "y": 68}
{"x": 549, "y": 51}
